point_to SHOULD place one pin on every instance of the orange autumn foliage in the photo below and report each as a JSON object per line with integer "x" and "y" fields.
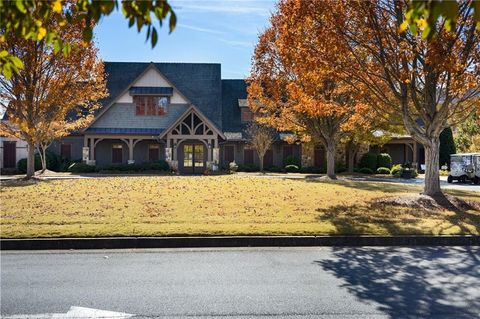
{"x": 54, "y": 94}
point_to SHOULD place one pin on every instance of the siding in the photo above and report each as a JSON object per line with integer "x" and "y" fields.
{"x": 123, "y": 115}
{"x": 77, "y": 145}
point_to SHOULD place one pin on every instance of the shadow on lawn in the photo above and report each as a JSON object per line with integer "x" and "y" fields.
{"x": 411, "y": 283}
{"x": 21, "y": 182}
{"x": 368, "y": 185}
{"x": 365, "y": 219}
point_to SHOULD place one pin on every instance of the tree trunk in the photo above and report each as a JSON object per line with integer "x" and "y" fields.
{"x": 432, "y": 176}
{"x": 260, "y": 164}
{"x": 44, "y": 160}
{"x": 331, "y": 160}
{"x": 352, "y": 150}
{"x": 30, "y": 160}
{"x": 41, "y": 153}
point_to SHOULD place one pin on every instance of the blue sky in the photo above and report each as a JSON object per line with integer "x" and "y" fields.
{"x": 207, "y": 31}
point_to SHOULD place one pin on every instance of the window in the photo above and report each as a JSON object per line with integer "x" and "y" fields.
{"x": 150, "y": 105}
{"x": 66, "y": 150}
{"x": 247, "y": 115}
{"x": 248, "y": 156}
{"x": 228, "y": 154}
{"x": 117, "y": 153}
{"x": 153, "y": 152}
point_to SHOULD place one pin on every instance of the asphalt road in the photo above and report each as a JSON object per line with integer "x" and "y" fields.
{"x": 242, "y": 283}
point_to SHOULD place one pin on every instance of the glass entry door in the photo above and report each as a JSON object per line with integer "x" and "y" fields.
{"x": 193, "y": 155}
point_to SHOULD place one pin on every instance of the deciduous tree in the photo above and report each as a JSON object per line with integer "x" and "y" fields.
{"x": 432, "y": 83}
{"x": 54, "y": 94}
{"x": 292, "y": 85}
{"x": 261, "y": 138}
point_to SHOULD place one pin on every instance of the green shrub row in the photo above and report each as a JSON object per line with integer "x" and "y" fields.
{"x": 54, "y": 163}
{"x": 84, "y": 168}
{"x": 374, "y": 161}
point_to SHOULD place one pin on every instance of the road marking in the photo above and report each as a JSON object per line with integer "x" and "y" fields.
{"x": 76, "y": 313}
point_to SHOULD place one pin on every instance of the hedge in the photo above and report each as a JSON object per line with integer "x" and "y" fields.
{"x": 365, "y": 170}
{"x": 368, "y": 160}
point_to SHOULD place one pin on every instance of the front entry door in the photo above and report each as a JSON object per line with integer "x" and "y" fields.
{"x": 193, "y": 156}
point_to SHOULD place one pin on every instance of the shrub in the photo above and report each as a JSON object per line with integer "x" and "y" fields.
{"x": 53, "y": 163}
{"x": 232, "y": 167}
{"x": 274, "y": 169}
{"x": 365, "y": 170}
{"x": 311, "y": 170}
{"x": 384, "y": 160}
{"x": 159, "y": 166}
{"x": 292, "y": 169}
{"x": 447, "y": 147}
{"x": 396, "y": 169}
{"x": 443, "y": 172}
{"x": 383, "y": 170}
{"x": 368, "y": 160}
{"x": 81, "y": 168}
{"x": 292, "y": 160}
{"x": 248, "y": 168}
{"x": 340, "y": 167}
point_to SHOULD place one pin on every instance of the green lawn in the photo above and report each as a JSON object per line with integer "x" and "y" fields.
{"x": 217, "y": 205}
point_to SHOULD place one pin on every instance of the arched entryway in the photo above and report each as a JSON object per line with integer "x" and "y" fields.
{"x": 192, "y": 157}
{"x": 192, "y": 143}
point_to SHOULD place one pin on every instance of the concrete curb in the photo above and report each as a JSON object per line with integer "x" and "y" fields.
{"x": 234, "y": 241}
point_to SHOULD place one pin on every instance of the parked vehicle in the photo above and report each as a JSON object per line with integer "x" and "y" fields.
{"x": 465, "y": 168}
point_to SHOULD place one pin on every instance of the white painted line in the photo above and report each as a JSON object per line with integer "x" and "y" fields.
{"x": 75, "y": 313}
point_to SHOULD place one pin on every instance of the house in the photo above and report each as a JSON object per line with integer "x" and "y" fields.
{"x": 183, "y": 113}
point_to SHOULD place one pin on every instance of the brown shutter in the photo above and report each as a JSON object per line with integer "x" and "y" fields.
{"x": 66, "y": 151}
{"x": 319, "y": 157}
{"x": 248, "y": 156}
{"x": 268, "y": 159}
{"x": 229, "y": 155}
{"x": 9, "y": 154}
{"x": 117, "y": 154}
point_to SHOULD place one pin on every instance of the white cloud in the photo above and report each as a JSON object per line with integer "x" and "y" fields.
{"x": 234, "y": 7}
{"x": 195, "y": 28}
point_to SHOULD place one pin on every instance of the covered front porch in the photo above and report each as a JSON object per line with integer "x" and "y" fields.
{"x": 190, "y": 145}
{"x": 108, "y": 149}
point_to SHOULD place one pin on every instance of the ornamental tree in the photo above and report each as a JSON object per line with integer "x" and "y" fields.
{"x": 54, "y": 94}
{"x": 261, "y": 138}
{"x": 292, "y": 86}
{"x": 432, "y": 83}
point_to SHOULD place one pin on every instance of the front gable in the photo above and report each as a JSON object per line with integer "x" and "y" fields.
{"x": 153, "y": 78}
{"x": 121, "y": 112}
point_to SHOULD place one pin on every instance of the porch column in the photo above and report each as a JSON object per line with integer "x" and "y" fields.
{"x": 168, "y": 151}
{"x": 174, "y": 150}
{"x": 216, "y": 151}
{"x": 209, "y": 152}
{"x": 92, "y": 148}
{"x": 415, "y": 154}
{"x": 85, "y": 150}
{"x": 130, "y": 151}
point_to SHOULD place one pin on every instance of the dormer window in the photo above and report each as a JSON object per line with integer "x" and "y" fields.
{"x": 150, "y": 105}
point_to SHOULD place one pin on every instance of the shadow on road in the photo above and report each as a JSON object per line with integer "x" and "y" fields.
{"x": 412, "y": 283}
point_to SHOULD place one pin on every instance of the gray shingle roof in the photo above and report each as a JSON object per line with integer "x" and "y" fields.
{"x": 232, "y": 91}
{"x": 199, "y": 82}
{"x": 124, "y": 130}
